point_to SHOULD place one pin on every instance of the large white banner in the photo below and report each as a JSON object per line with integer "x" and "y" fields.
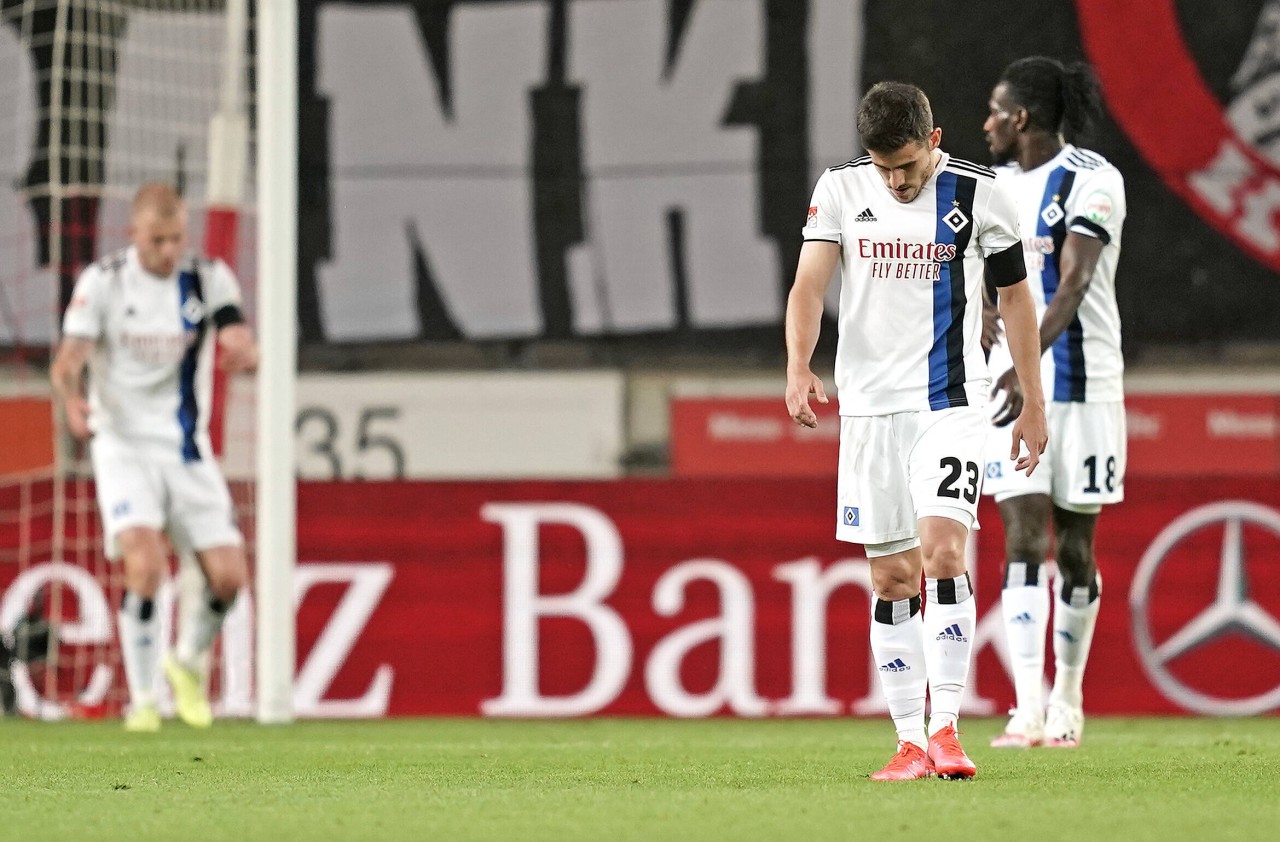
{"x": 526, "y": 169}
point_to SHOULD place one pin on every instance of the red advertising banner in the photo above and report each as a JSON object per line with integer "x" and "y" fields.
{"x": 1169, "y": 435}
{"x": 713, "y": 597}
{"x": 695, "y": 598}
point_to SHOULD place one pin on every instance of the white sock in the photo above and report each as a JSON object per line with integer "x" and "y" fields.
{"x": 140, "y": 647}
{"x": 1026, "y": 619}
{"x": 1074, "y": 617}
{"x": 897, "y": 644}
{"x": 950, "y": 616}
{"x": 196, "y": 635}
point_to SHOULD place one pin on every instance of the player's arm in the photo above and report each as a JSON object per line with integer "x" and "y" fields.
{"x": 818, "y": 259}
{"x": 1019, "y": 314}
{"x": 67, "y": 376}
{"x": 237, "y": 348}
{"x": 1076, "y": 265}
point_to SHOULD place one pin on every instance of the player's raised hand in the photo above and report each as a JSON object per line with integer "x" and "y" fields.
{"x": 1030, "y": 429}
{"x": 801, "y": 383}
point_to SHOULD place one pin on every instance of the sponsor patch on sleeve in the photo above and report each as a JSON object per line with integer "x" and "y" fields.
{"x": 812, "y": 221}
{"x": 1098, "y": 207}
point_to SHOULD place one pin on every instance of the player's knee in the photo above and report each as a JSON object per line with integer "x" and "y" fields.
{"x": 894, "y": 579}
{"x": 944, "y": 559}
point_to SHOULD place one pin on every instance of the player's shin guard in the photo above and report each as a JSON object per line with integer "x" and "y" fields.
{"x": 140, "y": 647}
{"x": 897, "y": 643}
{"x": 949, "y": 620}
{"x": 1024, "y": 602}
{"x": 1074, "y": 619}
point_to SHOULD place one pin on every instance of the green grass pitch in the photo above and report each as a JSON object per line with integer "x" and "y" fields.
{"x": 632, "y": 779}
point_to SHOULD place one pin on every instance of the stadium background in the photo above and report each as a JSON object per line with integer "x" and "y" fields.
{"x": 543, "y": 249}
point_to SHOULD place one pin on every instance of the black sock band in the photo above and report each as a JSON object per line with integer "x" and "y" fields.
{"x": 1019, "y": 573}
{"x": 137, "y": 606}
{"x": 891, "y": 613}
{"x": 949, "y": 591}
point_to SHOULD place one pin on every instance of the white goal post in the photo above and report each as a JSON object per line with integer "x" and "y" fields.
{"x": 277, "y": 374}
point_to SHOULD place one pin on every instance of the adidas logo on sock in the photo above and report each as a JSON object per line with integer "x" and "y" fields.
{"x": 1024, "y": 617}
{"x": 1066, "y": 635}
{"x": 952, "y": 632}
{"x": 896, "y": 665}
{"x": 865, "y": 216}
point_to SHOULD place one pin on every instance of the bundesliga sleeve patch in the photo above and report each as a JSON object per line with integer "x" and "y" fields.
{"x": 1098, "y": 207}
{"x": 812, "y": 221}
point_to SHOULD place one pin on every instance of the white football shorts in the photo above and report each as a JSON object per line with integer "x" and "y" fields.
{"x": 141, "y": 485}
{"x": 1083, "y": 467}
{"x": 895, "y": 469}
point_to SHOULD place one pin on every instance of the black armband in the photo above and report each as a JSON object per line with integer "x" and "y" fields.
{"x": 228, "y": 315}
{"x": 1006, "y": 268}
{"x": 1093, "y": 228}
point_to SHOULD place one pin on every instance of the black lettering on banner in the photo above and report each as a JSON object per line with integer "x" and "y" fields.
{"x": 947, "y": 488}
{"x": 366, "y": 440}
{"x": 324, "y": 446}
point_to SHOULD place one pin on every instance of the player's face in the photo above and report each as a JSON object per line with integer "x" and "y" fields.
{"x": 1001, "y": 126}
{"x": 161, "y": 240}
{"x": 906, "y": 171}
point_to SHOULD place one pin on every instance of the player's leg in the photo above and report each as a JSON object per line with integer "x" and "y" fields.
{"x": 897, "y": 644}
{"x": 874, "y": 509}
{"x": 144, "y": 556}
{"x": 203, "y": 523}
{"x": 1025, "y": 509}
{"x": 1089, "y": 468}
{"x": 945, "y": 464}
{"x": 1075, "y": 615}
{"x": 129, "y": 494}
{"x": 1024, "y": 606}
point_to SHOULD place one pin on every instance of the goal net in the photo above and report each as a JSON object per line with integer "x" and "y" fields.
{"x": 99, "y": 97}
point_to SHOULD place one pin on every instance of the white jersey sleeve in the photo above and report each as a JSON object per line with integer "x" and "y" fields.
{"x": 221, "y": 288}
{"x": 1000, "y": 223}
{"x": 86, "y": 314}
{"x": 1096, "y": 208}
{"x": 824, "y": 220}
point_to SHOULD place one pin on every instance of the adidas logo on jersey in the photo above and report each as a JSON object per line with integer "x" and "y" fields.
{"x": 865, "y": 216}
{"x": 896, "y": 665}
{"x": 952, "y": 632}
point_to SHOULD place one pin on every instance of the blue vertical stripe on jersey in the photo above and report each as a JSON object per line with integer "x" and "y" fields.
{"x": 1069, "y": 376}
{"x": 188, "y": 411}
{"x": 946, "y": 356}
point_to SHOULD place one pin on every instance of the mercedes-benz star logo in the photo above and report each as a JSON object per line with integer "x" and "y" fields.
{"x": 1231, "y": 611}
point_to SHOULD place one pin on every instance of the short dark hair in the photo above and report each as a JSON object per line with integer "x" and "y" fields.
{"x": 1059, "y": 98}
{"x": 893, "y": 114}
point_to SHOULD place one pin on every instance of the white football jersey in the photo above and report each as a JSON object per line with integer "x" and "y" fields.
{"x": 151, "y": 373}
{"x": 911, "y": 279}
{"x": 1075, "y": 191}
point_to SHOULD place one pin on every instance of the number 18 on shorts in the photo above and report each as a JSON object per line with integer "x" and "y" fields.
{"x": 895, "y": 469}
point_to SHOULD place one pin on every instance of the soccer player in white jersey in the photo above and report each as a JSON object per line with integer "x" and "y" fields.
{"x": 911, "y": 229}
{"x": 144, "y": 320}
{"x": 1071, "y": 207}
